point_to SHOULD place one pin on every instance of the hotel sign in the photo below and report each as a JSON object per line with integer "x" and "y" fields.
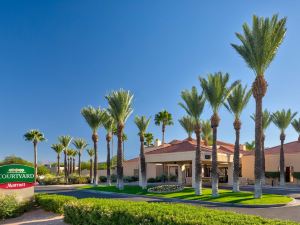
{"x": 15, "y": 176}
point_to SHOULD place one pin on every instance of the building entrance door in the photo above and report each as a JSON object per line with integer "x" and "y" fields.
{"x": 288, "y": 174}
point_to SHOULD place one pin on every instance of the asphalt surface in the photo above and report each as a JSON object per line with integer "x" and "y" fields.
{"x": 284, "y": 213}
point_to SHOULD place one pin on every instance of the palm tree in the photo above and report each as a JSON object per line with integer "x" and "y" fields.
{"x": 149, "y": 139}
{"x": 237, "y": 101}
{"x": 259, "y": 47}
{"x": 58, "y": 148}
{"x": 206, "y": 133}
{"x": 94, "y": 118}
{"x": 120, "y": 108}
{"x": 216, "y": 92}
{"x": 69, "y": 153}
{"x": 142, "y": 124}
{"x": 34, "y": 136}
{"x": 193, "y": 105}
{"x": 296, "y": 125}
{"x": 187, "y": 124}
{"x": 91, "y": 153}
{"x": 164, "y": 119}
{"x": 282, "y": 119}
{"x": 80, "y": 144}
{"x": 124, "y": 138}
{"x": 65, "y": 141}
{"x": 250, "y": 145}
{"x": 266, "y": 121}
{"x": 109, "y": 126}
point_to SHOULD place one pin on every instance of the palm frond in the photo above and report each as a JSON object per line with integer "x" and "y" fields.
{"x": 188, "y": 124}
{"x": 238, "y": 100}
{"x": 34, "y": 136}
{"x": 80, "y": 144}
{"x": 58, "y": 148}
{"x": 93, "y": 116}
{"x": 65, "y": 141}
{"x": 296, "y": 125}
{"x": 120, "y": 105}
{"x": 142, "y": 124}
{"x": 283, "y": 118}
{"x": 260, "y": 43}
{"x": 206, "y": 133}
{"x": 163, "y": 117}
{"x": 91, "y": 152}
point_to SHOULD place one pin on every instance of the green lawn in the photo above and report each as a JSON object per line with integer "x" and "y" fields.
{"x": 225, "y": 196}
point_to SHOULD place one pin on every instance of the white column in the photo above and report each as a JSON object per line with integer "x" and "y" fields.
{"x": 230, "y": 173}
{"x": 181, "y": 174}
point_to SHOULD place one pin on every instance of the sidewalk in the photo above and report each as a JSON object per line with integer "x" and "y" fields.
{"x": 36, "y": 217}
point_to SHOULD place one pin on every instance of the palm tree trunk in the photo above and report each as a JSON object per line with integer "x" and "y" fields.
{"x": 143, "y": 164}
{"x": 198, "y": 164}
{"x": 74, "y": 165}
{"x": 69, "y": 166}
{"x": 263, "y": 160}
{"x": 65, "y": 167}
{"x": 282, "y": 177}
{"x": 163, "y": 134}
{"x": 95, "y": 140}
{"x": 35, "y": 161}
{"x": 259, "y": 89}
{"x": 79, "y": 164}
{"x": 108, "y": 137}
{"x": 214, "y": 170}
{"x": 58, "y": 165}
{"x": 120, "y": 182}
{"x": 91, "y": 170}
{"x": 236, "y": 157}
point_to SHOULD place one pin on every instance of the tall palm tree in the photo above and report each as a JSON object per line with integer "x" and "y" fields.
{"x": 282, "y": 119}
{"x": 164, "y": 119}
{"x": 206, "y": 133}
{"x": 259, "y": 47}
{"x": 266, "y": 121}
{"x": 187, "y": 124}
{"x": 120, "y": 108}
{"x": 94, "y": 118}
{"x": 58, "y": 148}
{"x": 124, "y": 138}
{"x": 250, "y": 145}
{"x": 193, "y": 104}
{"x": 34, "y": 136}
{"x": 216, "y": 92}
{"x": 149, "y": 139}
{"x": 80, "y": 144}
{"x": 142, "y": 124}
{"x": 296, "y": 125}
{"x": 109, "y": 126}
{"x": 65, "y": 141}
{"x": 91, "y": 153}
{"x": 237, "y": 101}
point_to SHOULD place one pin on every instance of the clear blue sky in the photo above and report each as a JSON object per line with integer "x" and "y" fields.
{"x": 58, "y": 56}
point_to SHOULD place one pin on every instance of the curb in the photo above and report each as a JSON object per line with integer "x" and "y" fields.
{"x": 294, "y": 202}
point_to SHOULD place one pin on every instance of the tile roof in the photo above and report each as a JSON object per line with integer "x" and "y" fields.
{"x": 190, "y": 145}
{"x": 289, "y": 148}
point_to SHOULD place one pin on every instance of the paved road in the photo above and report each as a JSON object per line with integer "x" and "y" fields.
{"x": 285, "y": 213}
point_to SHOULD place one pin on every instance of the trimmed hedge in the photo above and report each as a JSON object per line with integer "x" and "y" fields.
{"x": 53, "y": 203}
{"x": 272, "y": 174}
{"x": 10, "y": 207}
{"x": 94, "y": 211}
{"x": 296, "y": 175}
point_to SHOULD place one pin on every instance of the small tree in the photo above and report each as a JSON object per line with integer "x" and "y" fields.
{"x": 58, "y": 148}
{"x": 80, "y": 144}
{"x": 164, "y": 119}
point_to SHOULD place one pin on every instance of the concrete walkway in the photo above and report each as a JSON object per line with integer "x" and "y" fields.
{"x": 36, "y": 217}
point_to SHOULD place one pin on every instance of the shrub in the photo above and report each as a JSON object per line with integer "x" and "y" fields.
{"x": 10, "y": 207}
{"x": 76, "y": 179}
{"x": 50, "y": 179}
{"x": 42, "y": 170}
{"x": 113, "y": 212}
{"x": 113, "y": 178}
{"x": 131, "y": 179}
{"x": 151, "y": 180}
{"x": 272, "y": 174}
{"x": 173, "y": 178}
{"x": 53, "y": 203}
{"x": 296, "y": 175}
{"x": 103, "y": 179}
{"x": 165, "y": 189}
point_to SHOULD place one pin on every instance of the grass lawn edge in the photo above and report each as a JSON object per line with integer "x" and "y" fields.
{"x": 178, "y": 199}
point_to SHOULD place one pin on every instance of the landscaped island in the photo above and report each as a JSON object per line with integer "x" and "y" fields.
{"x": 188, "y": 193}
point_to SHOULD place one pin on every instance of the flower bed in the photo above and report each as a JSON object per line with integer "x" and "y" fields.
{"x": 165, "y": 189}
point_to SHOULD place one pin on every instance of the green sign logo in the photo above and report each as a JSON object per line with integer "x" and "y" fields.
{"x": 16, "y": 176}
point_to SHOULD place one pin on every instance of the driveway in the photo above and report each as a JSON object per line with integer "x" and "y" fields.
{"x": 284, "y": 213}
